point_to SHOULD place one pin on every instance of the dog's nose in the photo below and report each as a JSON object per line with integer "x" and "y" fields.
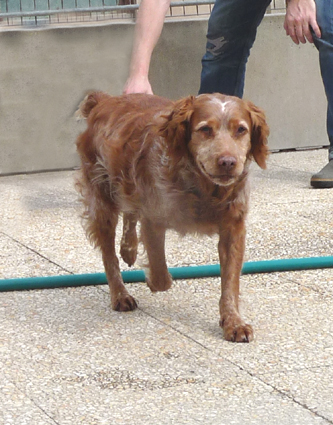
{"x": 226, "y": 162}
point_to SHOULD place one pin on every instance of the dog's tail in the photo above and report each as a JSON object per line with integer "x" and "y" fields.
{"x": 88, "y": 103}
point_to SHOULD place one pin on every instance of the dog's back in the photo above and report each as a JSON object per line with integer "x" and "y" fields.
{"x": 114, "y": 148}
{"x": 112, "y": 108}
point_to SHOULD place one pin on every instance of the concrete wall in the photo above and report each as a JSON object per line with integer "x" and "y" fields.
{"x": 43, "y": 77}
{"x": 285, "y": 80}
{"x": 45, "y": 73}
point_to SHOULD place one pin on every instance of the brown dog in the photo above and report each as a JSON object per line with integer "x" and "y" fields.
{"x": 170, "y": 165}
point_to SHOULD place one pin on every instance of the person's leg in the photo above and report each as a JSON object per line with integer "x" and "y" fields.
{"x": 325, "y": 47}
{"x": 232, "y": 29}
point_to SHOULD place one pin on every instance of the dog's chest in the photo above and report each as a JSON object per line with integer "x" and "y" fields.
{"x": 179, "y": 197}
{"x": 187, "y": 208}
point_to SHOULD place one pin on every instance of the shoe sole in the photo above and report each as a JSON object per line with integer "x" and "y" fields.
{"x": 322, "y": 184}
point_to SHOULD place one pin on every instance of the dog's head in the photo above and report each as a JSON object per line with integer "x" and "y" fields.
{"x": 221, "y": 133}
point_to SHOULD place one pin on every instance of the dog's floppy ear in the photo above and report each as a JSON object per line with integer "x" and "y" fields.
{"x": 259, "y": 134}
{"x": 175, "y": 127}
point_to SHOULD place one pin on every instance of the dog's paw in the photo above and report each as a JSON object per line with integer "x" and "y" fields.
{"x": 236, "y": 331}
{"x": 159, "y": 285}
{"x": 124, "y": 302}
{"x": 128, "y": 254}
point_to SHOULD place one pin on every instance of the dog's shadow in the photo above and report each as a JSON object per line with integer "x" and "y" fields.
{"x": 185, "y": 313}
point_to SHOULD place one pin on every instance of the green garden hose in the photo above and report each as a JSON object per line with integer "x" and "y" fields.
{"x": 190, "y": 272}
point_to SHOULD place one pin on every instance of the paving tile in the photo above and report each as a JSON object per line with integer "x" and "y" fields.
{"x": 292, "y": 323}
{"x": 318, "y": 280}
{"x": 67, "y": 358}
{"x": 16, "y": 260}
{"x": 311, "y": 387}
{"x": 95, "y": 366}
{"x": 17, "y": 408}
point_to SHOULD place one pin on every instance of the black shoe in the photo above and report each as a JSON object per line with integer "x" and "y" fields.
{"x": 323, "y": 179}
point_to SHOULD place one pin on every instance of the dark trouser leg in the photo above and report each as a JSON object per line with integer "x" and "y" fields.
{"x": 232, "y": 29}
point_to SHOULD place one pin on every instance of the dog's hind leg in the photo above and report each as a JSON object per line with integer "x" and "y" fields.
{"x": 129, "y": 240}
{"x": 103, "y": 230}
{"x": 153, "y": 238}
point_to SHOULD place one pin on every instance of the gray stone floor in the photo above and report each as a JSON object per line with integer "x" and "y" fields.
{"x": 66, "y": 358}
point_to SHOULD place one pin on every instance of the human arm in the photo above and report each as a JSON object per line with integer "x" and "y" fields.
{"x": 300, "y": 18}
{"x": 148, "y": 29}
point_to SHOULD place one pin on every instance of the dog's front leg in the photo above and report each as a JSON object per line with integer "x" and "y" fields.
{"x": 231, "y": 252}
{"x": 104, "y": 230}
{"x": 153, "y": 238}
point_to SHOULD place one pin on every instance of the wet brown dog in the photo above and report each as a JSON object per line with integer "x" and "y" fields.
{"x": 170, "y": 165}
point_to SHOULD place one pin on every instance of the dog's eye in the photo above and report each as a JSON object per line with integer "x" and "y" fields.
{"x": 206, "y": 129}
{"x": 241, "y": 130}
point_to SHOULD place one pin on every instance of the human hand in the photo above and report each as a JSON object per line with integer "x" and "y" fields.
{"x": 137, "y": 85}
{"x": 300, "y": 18}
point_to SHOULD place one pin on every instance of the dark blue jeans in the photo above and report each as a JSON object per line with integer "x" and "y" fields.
{"x": 232, "y": 29}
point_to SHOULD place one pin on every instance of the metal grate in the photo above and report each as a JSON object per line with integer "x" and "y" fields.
{"x": 44, "y": 12}
{"x": 48, "y": 12}
{"x": 278, "y": 6}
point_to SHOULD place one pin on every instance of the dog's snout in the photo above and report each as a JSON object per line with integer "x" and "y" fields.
{"x": 227, "y": 162}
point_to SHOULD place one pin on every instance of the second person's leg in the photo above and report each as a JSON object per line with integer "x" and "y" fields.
{"x": 232, "y": 29}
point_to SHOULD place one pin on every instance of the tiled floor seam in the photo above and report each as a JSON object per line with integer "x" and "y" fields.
{"x": 284, "y": 394}
{"x": 277, "y": 390}
{"x": 34, "y": 403}
{"x": 295, "y": 282}
{"x": 175, "y": 329}
{"x": 35, "y": 252}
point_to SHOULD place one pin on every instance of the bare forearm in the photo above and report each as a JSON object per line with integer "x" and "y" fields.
{"x": 148, "y": 29}
{"x": 147, "y": 32}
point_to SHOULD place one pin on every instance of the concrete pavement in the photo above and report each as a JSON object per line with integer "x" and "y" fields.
{"x": 67, "y": 359}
